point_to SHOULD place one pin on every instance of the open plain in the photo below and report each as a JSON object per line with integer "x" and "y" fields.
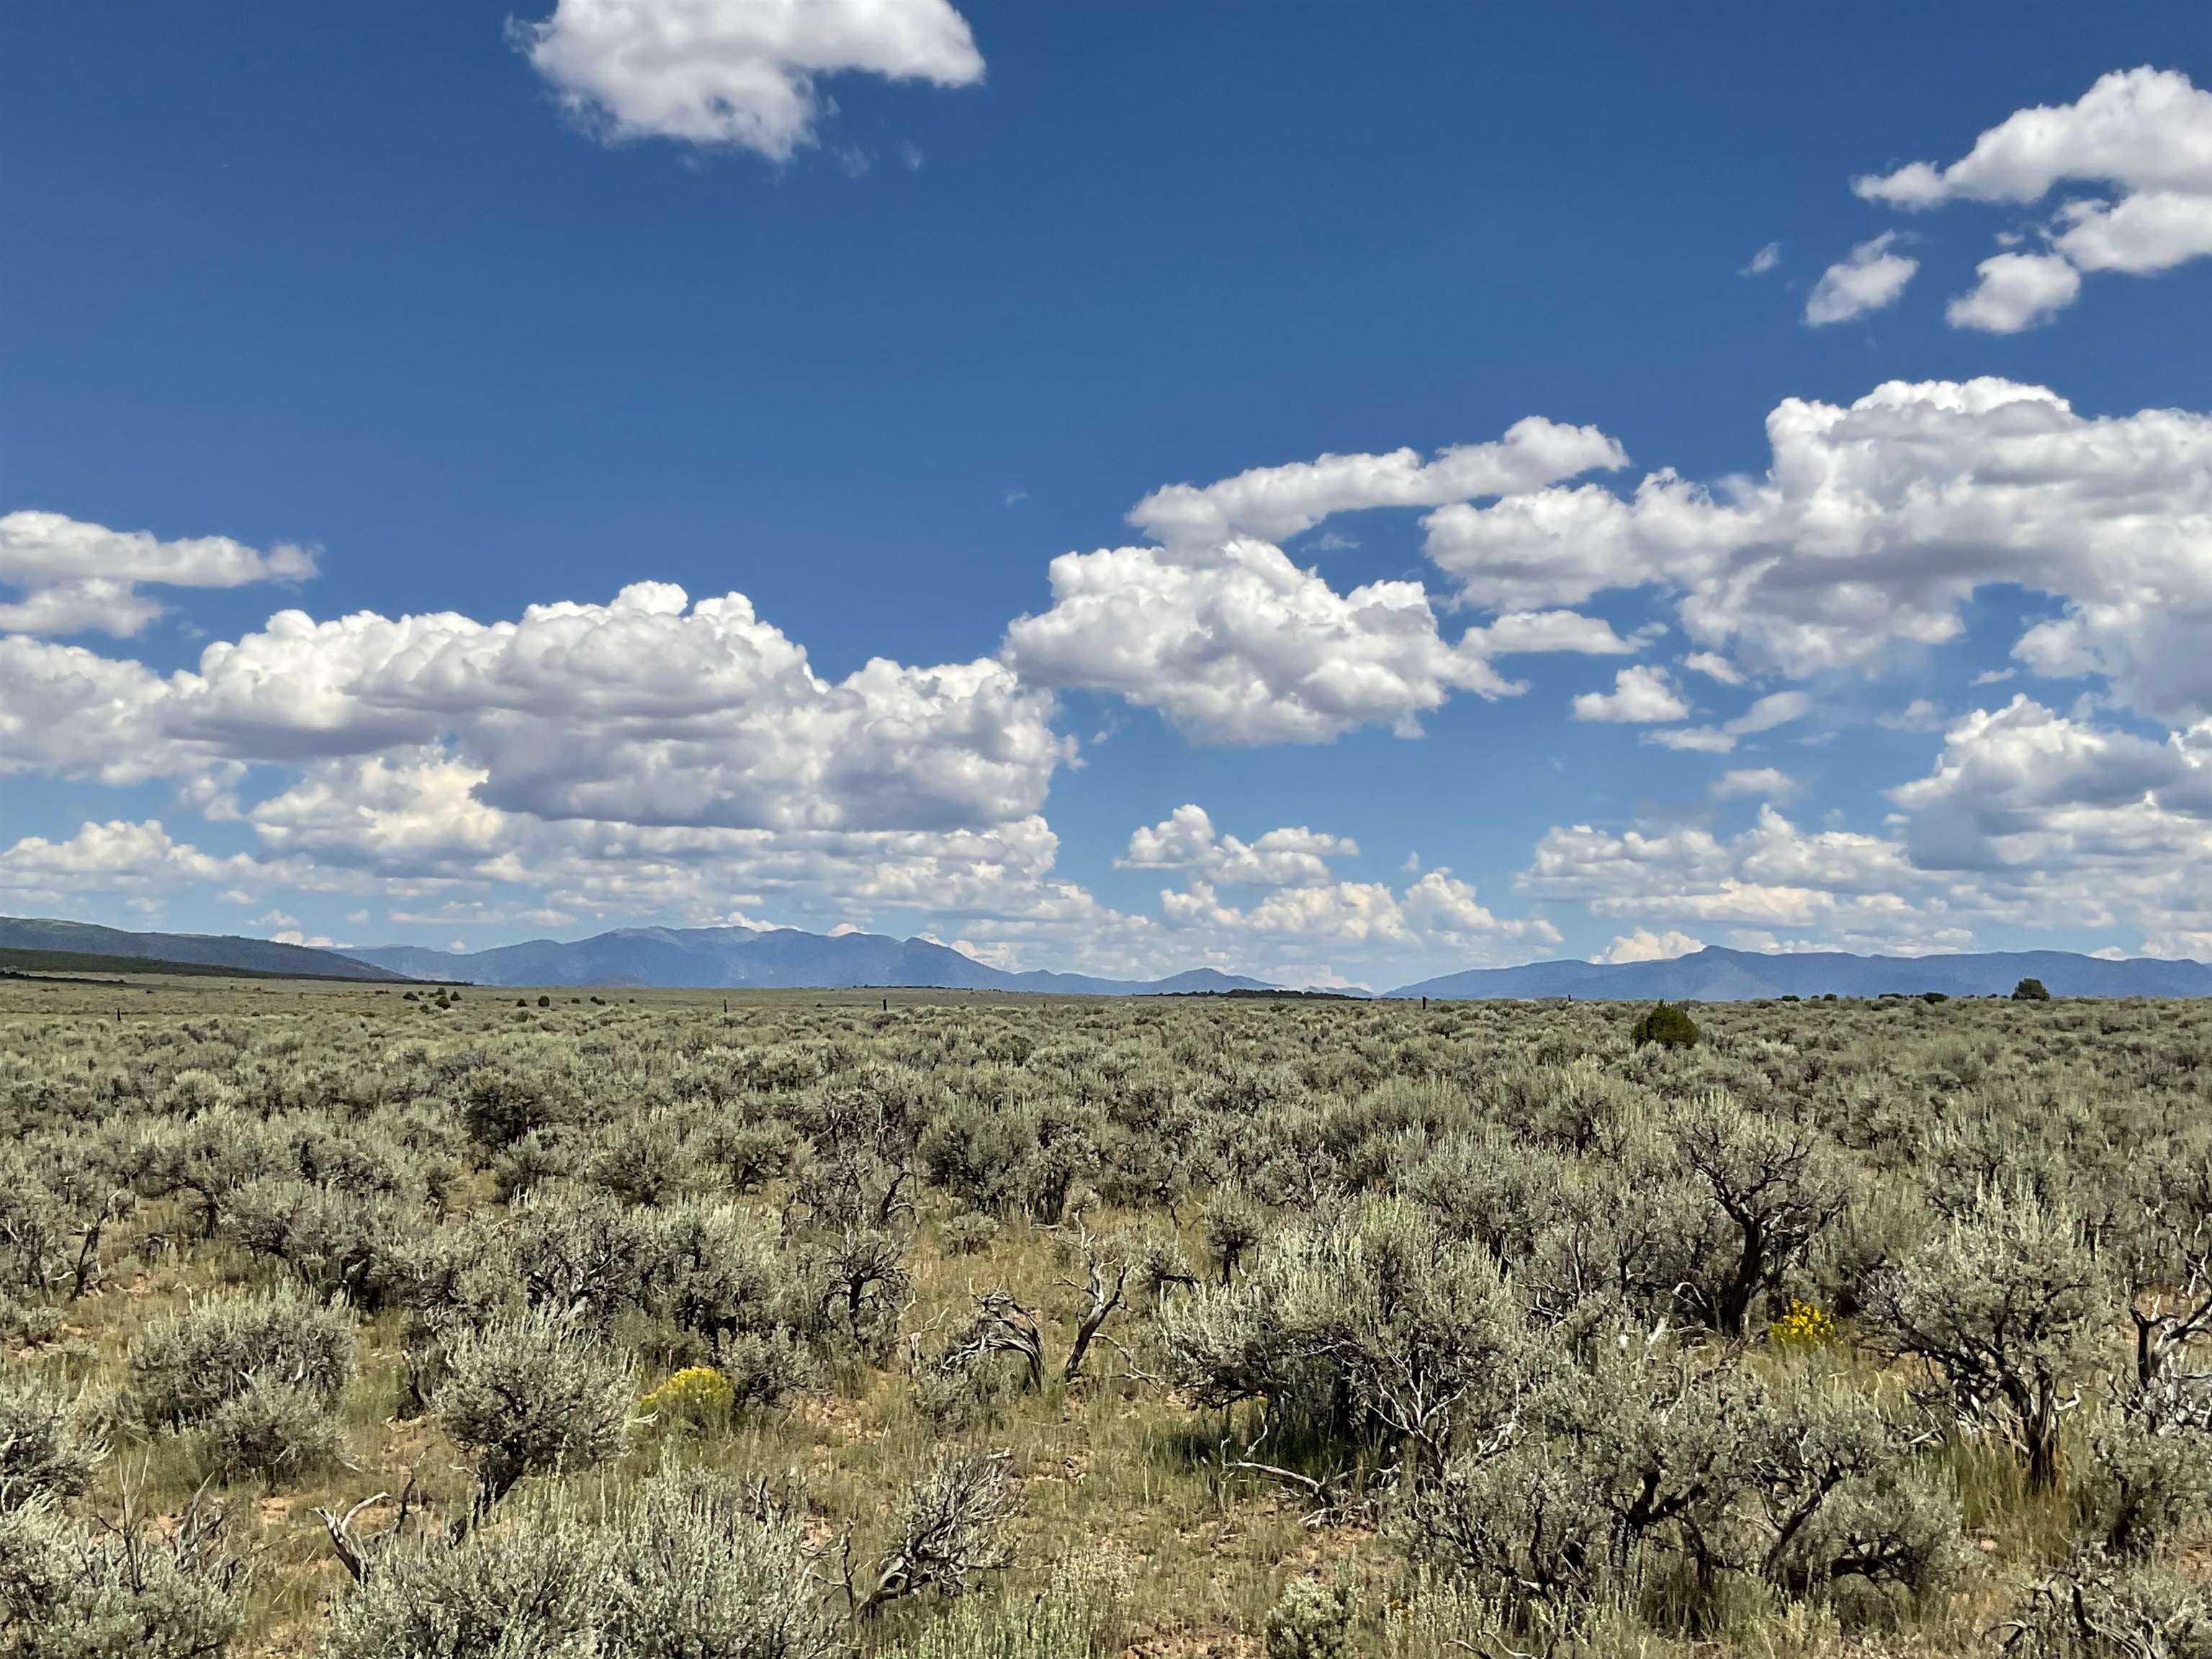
{"x": 365, "y": 1321}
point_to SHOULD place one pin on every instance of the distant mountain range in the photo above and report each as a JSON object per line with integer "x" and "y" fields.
{"x": 1714, "y": 975}
{"x": 704, "y": 957}
{"x": 217, "y": 950}
{"x": 785, "y": 958}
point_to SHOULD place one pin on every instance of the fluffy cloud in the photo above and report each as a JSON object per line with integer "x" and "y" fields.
{"x": 2016, "y": 291}
{"x": 1762, "y": 783}
{"x": 1522, "y": 632}
{"x": 1713, "y": 666}
{"x": 736, "y": 72}
{"x": 2142, "y": 137}
{"x": 1446, "y": 908}
{"x": 116, "y": 856}
{"x": 647, "y": 757}
{"x": 1388, "y": 936}
{"x": 2023, "y": 788}
{"x": 1186, "y": 840}
{"x": 69, "y": 711}
{"x": 1240, "y": 645}
{"x": 1920, "y": 715}
{"x": 1775, "y": 708}
{"x": 2043, "y": 819}
{"x": 1353, "y": 912}
{"x": 1556, "y": 546}
{"x": 2029, "y": 819}
{"x": 1234, "y": 642}
{"x": 2144, "y": 129}
{"x": 76, "y": 578}
{"x": 1847, "y": 886}
{"x": 1870, "y": 277}
{"x": 411, "y": 821}
{"x": 407, "y": 814}
{"x": 1438, "y": 919}
{"x": 1872, "y": 525}
{"x": 1640, "y": 694}
{"x": 1645, "y": 945}
{"x": 1274, "y": 503}
{"x": 647, "y": 709}
{"x": 2147, "y": 639}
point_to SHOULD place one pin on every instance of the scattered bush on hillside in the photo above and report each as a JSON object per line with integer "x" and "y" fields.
{"x": 44, "y": 1453}
{"x": 692, "y": 1564}
{"x": 1773, "y": 1188}
{"x": 531, "y": 1393}
{"x": 1311, "y": 1621}
{"x": 1667, "y": 1024}
{"x": 2149, "y": 1474}
{"x": 271, "y": 1431}
{"x": 1372, "y": 1330}
{"x": 184, "y": 1368}
{"x": 951, "y": 1529}
{"x": 2002, "y": 1306}
{"x": 118, "y": 1588}
{"x": 2094, "y": 1610}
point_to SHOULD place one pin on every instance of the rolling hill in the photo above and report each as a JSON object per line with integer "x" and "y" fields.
{"x": 783, "y": 957}
{"x": 1714, "y": 975}
{"x": 220, "y": 952}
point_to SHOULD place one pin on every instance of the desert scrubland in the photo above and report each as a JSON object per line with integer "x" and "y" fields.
{"x": 365, "y": 1322}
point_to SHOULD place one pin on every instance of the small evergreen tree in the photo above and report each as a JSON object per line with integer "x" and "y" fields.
{"x": 2030, "y": 990}
{"x": 1667, "y": 1024}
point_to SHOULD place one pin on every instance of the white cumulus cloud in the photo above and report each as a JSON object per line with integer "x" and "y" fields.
{"x": 645, "y": 710}
{"x": 1187, "y": 840}
{"x": 1848, "y": 887}
{"x": 1240, "y": 645}
{"x": 1762, "y": 783}
{"x": 740, "y": 73}
{"x": 77, "y": 578}
{"x": 1274, "y": 503}
{"x": 1775, "y": 708}
{"x": 1871, "y": 277}
{"x": 1643, "y": 945}
{"x": 2016, "y": 291}
{"x": 115, "y": 856}
{"x": 1640, "y": 694}
{"x": 2139, "y": 139}
{"x": 1875, "y": 522}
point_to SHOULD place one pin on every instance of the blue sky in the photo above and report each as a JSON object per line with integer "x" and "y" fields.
{"x": 402, "y": 320}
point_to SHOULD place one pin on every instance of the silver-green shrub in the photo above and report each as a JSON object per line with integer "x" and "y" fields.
{"x": 273, "y": 1432}
{"x": 2149, "y": 1469}
{"x": 1373, "y": 1329}
{"x": 1310, "y": 1621}
{"x": 184, "y": 1367}
{"x": 688, "y": 1566}
{"x": 532, "y": 1392}
{"x": 43, "y": 1451}
{"x": 2004, "y": 1305}
{"x": 2094, "y": 1610}
{"x": 125, "y": 1590}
